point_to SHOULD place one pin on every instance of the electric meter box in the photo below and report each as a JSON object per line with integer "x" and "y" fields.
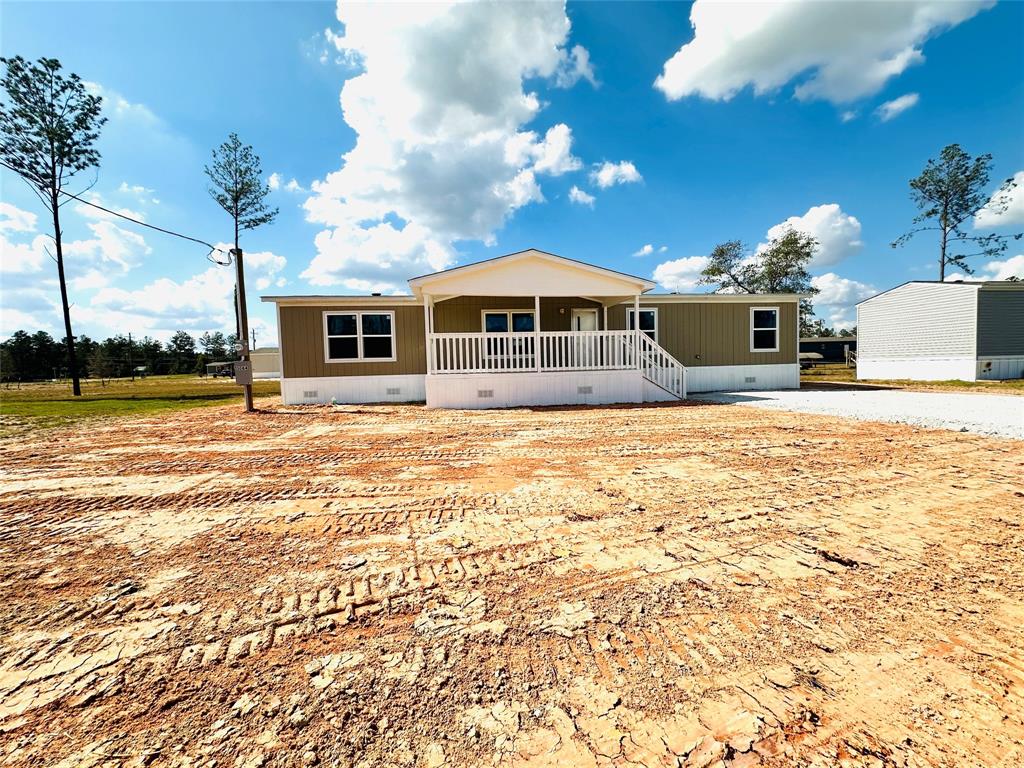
{"x": 243, "y": 372}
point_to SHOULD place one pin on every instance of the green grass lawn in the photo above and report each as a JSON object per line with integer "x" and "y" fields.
{"x": 48, "y": 404}
{"x": 838, "y": 373}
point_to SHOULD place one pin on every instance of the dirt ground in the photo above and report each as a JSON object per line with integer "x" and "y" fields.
{"x": 690, "y": 585}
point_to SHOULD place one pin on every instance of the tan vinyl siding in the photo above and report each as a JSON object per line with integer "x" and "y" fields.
{"x": 918, "y": 320}
{"x": 302, "y": 343}
{"x": 715, "y": 333}
{"x": 463, "y": 314}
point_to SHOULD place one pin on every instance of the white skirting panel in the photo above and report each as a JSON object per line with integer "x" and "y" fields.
{"x": 354, "y": 389}
{"x": 506, "y": 390}
{"x": 266, "y": 375}
{"x": 917, "y": 368}
{"x": 1001, "y": 367}
{"x": 729, "y": 378}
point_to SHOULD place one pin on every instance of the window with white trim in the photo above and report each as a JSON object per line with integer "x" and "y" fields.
{"x": 648, "y": 322}
{"x": 764, "y": 329}
{"x": 505, "y": 320}
{"x": 356, "y": 336}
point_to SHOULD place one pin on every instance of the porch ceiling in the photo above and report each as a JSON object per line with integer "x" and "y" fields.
{"x": 531, "y": 273}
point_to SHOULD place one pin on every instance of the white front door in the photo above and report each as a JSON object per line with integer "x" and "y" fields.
{"x": 584, "y": 320}
{"x": 584, "y": 349}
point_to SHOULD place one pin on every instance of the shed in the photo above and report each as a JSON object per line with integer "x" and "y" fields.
{"x": 933, "y": 331}
{"x": 833, "y": 349}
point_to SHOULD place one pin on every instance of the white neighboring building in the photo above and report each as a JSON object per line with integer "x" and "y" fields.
{"x": 266, "y": 363}
{"x": 932, "y": 331}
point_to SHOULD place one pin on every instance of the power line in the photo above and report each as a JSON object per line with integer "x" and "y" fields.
{"x": 143, "y": 224}
{"x": 150, "y": 226}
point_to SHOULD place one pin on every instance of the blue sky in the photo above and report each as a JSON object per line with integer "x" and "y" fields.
{"x": 467, "y": 129}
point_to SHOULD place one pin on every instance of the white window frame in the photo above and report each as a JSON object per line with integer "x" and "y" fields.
{"x": 777, "y": 328}
{"x": 359, "y": 336}
{"x": 632, "y": 310}
{"x": 508, "y": 313}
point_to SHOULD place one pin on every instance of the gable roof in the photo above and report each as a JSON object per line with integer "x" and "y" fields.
{"x": 976, "y": 285}
{"x": 530, "y": 272}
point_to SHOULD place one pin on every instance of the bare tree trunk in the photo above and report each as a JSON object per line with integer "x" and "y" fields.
{"x": 76, "y": 386}
{"x": 942, "y": 247}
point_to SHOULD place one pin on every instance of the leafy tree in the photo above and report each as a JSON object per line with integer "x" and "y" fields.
{"x": 8, "y": 369}
{"x": 214, "y": 345}
{"x": 182, "y": 350}
{"x": 950, "y": 193}
{"x": 84, "y": 348}
{"x": 48, "y": 126}
{"x": 848, "y": 332}
{"x": 101, "y": 365}
{"x": 238, "y": 188}
{"x": 781, "y": 267}
{"x": 149, "y": 351}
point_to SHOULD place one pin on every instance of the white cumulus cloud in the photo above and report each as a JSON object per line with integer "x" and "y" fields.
{"x": 888, "y": 110}
{"x": 14, "y": 219}
{"x": 575, "y": 66}
{"x": 608, "y": 174}
{"x": 204, "y": 301}
{"x": 839, "y": 51}
{"x": 439, "y": 108}
{"x": 835, "y": 303}
{"x": 680, "y": 275}
{"x": 1004, "y": 209}
{"x": 644, "y": 250}
{"x": 837, "y": 233}
{"x": 999, "y": 269}
{"x": 577, "y": 195}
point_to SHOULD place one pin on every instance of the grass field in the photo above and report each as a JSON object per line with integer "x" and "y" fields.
{"x": 47, "y": 404}
{"x": 838, "y": 373}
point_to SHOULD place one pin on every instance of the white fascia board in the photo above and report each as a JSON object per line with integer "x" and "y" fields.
{"x": 343, "y": 301}
{"x": 719, "y": 298}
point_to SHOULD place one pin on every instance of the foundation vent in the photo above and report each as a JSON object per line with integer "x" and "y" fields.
{"x": 394, "y": 390}
{"x": 485, "y": 393}
{"x": 750, "y": 380}
{"x": 309, "y": 394}
{"x": 587, "y": 390}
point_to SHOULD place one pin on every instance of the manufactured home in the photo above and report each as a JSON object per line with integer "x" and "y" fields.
{"x": 932, "y": 331}
{"x": 532, "y": 328}
{"x": 266, "y": 363}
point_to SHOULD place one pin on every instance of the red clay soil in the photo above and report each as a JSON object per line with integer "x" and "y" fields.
{"x": 692, "y": 585}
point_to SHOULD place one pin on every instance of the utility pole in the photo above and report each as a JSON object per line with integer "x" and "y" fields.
{"x": 243, "y": 376}
{"x": 253, "y": 332}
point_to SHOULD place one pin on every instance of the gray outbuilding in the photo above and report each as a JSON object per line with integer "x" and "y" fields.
{"x": 932, "y": 331}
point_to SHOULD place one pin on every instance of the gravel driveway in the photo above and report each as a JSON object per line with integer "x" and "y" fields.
{"x": 983, "y": 414}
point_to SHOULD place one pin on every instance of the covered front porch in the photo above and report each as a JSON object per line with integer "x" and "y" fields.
{"x": 536, "y": 328}
{"x": 491, "y": 334}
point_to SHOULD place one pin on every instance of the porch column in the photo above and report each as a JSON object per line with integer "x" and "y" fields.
{"x": 536, "y": 332}
{"x": 636, "y": 328}
{"x": 428, "y": 330}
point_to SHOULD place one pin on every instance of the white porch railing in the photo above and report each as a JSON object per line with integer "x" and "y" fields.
{"x": 659, "y": 366}
{"x": 558, "y": 351}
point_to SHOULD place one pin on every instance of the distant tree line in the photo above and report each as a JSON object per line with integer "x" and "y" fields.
{"x": 38, "y": 356}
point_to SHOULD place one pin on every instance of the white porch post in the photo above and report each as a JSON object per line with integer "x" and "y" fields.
{"x": 536, "y": 333}
{"x": 428, "y": 330}
{"x": 636, "y": 328}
